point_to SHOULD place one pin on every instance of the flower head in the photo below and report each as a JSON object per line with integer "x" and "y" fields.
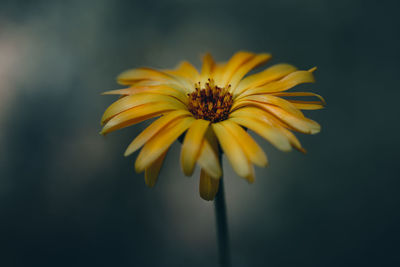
{"x": 213, "y": 108}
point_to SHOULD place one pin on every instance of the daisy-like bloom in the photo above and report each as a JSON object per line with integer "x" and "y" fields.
{"x": 213, "y": 109}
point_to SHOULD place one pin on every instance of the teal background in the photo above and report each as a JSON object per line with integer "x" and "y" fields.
{"x": 68, "y": 197}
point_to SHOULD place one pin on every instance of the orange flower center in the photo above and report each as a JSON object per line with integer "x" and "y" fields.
{"x": 211, "y": 103}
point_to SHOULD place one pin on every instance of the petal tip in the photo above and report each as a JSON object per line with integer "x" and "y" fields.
{"x": 138, "y": 167}
{"x": 148, "y": 184}
{"x": 206, "y": 197}
{"x": 187, "y": 173}
{"x": 302, "y": 150}
{"x": 315, "y": 130}
{"x": 103, "y": 132}
{"x": 313, "y": 69}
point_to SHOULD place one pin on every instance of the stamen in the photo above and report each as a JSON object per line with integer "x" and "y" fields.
{"x": 211, "y": 103}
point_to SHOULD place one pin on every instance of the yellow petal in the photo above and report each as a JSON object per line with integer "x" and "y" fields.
{"x": 153, "y": 129}
{"x": 208, "y": 187}
{"x": 155, "y": 89}
{"x": 260, "y": 100}
{"x": 192, "y": 144}
{"x": 271, "y": 74}
{"x": 236, "y": 61}
{"x": 245, "y": 68}
{"x": 136, "y": 115}
{"x": 144, "y": 85}
{"x": 292, "y": 138}
{"x": 251, "y": 177}
{"x": 232, "y": 149}
{"x": 265, "y": 130}
{"x": 217, "y": 73}
{"x": 207, "y": 68}
{"x": 291, "y": 80}
{"x": 140, "y": 83}
{"x": 300, "y": 124}
{"x": 132, "y": 101}
{"x": 307, "y": 105}
{"x": 159, "y": 143}
{"x": 250, "y": 111}
{"x": 124, "y": 91}
{"x": 262, "y": 115}
{"x": 183, "y": 83}
{"x": 212, "y": 140}
{"x": 252, "y": 150}
{"x": 209, "y": 161}
{"x": 186, "y": 70}
{"x": 151, "y": 172}
{"x": 300, "y": 94}
{"x": 133, "y": 75}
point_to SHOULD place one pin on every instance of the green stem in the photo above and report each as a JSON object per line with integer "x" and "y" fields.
{"x": 222, "y": 226}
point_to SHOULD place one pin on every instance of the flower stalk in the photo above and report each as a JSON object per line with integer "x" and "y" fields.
{"x": 222, "y": 226}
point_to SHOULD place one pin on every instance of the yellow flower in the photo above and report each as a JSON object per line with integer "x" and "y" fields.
{"x": 214, "y": 107}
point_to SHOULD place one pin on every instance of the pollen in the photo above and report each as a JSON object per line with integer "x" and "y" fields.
{"x": 210, "y": 103}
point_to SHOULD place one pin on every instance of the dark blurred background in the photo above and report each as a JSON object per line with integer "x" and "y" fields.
{"x": 68, "y": 197}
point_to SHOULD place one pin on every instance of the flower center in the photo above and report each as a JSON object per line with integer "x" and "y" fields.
{"x": 211, "y": 103}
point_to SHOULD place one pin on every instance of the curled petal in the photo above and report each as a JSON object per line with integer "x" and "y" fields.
{"x": 151, "y": 172}
{"x": 260, "y": 100}
{"x": 249, "y": 146}
{"x": 161, "y": 142}
{"x": 246, "y": 67}
{"x": 209, "y": 161}
{"x": 139, "y": 74}
{"x": 273, "y": 73}
{"x": 264, "y": 130}
{"x": 132, "y": 101}
{"x": 154, "y": 128}
{"x": 307, "y": 105}
{"x": 136, "y": 115}
{"x": 154, "y": 89}
{"x": 266, "y": 118}
{"x": 133, "y": 76}
{"x": 292, "y": 138}
{"x": 208, "y": 187}
{"x": 291, "y": 80}
{"x": 187, "y": 71}
{"x": 291, "y": 94}
{"x": 236, "y": 61}
{"x": 192, "y": 144}
{"x": 300, "y": 124}
{"x": 232, "y": 149}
